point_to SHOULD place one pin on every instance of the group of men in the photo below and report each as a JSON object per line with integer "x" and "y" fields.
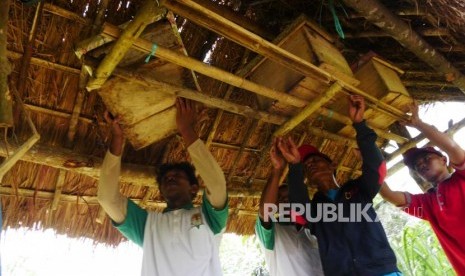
{"x": 184, "y": 239}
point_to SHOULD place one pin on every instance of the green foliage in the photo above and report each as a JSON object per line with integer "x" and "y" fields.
{"x": 417, "y": 249}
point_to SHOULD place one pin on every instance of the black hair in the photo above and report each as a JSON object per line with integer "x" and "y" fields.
{"x": 186, "y": 167}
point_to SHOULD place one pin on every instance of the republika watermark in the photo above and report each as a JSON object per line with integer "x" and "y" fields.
{"x": 325, "y": 212}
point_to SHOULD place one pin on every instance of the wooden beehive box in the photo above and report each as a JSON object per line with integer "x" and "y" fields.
{"x": 381, "y": 79}
{"x": 308, "y": 41}
{"x": 146, "y": 115}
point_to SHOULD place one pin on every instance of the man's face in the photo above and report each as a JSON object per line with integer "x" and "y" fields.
{"x": 430, "y": 166}
{"x": 318, "y": 171}
{"x": 175, "y": 185}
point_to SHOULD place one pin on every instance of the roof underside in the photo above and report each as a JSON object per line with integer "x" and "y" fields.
{"x": 55, "y": 184}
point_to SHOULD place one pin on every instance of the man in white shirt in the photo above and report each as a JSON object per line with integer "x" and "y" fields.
{"x": 183, "y": 239}
{"x": 290, "y": 249}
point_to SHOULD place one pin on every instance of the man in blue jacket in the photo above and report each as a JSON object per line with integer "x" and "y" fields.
{"x": 357, "y": 247}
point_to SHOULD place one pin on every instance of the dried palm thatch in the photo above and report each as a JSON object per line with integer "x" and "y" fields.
{"x": 55, "y": 184}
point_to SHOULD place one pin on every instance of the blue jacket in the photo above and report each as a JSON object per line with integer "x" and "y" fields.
{"x": 351, "y": 248}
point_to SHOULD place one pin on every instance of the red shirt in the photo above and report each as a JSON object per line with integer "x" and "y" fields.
{"x": 444, "y": 208}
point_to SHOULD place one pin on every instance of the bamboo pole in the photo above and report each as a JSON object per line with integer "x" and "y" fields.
{"x": 210, "y": 20}
{"x": 58, "y": 189}
{"x": 144, "y": 16}
{"x": 215, "y": 22}
{"x": 250, "y": 130}
{"x": 309, "y": 109}
{"x": 83, "y": 78}
{"x": 53, "y": 9}
{"x": 24, "y": 148}
{"x": 208, "y": 70}
{"x": 6, "y": 103}
{"x": 451, "y": 131}
{"x": 46, "y": 64}
{"x": 158, "y": 87}
{"x": 26, "y": 59}
{"x": 379, "y": 15}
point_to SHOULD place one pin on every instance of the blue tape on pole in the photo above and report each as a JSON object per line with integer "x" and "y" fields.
{"x": 152, "y": 53}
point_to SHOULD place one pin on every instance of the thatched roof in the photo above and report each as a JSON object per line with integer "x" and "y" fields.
{"x": 55, "y": 183}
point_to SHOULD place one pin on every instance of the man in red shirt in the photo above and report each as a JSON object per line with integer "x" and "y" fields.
{"x": 443, "y": 206}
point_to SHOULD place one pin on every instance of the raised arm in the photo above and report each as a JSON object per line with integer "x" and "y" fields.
{"x": 270, "y": 192}
{"x": 203, "y": 160}
{"x": 443, "y": 141}
{"x": 373, "y": 166}
{"x": 394, "y": 197}
{"x": 298, "y": 191}
{"x": 108, "y": 194}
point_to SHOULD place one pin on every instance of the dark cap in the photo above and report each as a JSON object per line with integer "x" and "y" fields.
{"x": 308, "y": 150}
{"x": 412, "y": 154}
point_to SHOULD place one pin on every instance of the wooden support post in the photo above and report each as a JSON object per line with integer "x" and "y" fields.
{"x": 309, "y": 109}
{"x": 58, "y": 188}
{"x": 382, "y": 17}
{"x": 6, "y": 103}
{"x": 147, "y": 12}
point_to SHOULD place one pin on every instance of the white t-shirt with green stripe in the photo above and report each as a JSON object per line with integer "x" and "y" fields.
{"x": 288, "y": 251}
{"x": 177, "y": 242}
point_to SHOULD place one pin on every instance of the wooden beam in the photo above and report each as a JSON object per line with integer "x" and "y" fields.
{"x": 444, "y": 95}
{"x": 309, "y": 110}
{"x": 58, "y": 189}
{"x": 6, "y": 102}
{"x": 148, "y": 11}
{"x": 382, "y": 17}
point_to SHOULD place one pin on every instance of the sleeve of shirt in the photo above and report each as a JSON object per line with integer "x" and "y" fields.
{"x": 265, "y": 236}
{"x": 298, "y": 191}
{"x": 216, "y": 219}
{"x": 108, "y": 194}
{"x": 416, "y": 205}
{"x": 210, "y": 172}
{"x": 133, "y": 227}
{"x": 373, "y": 166}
